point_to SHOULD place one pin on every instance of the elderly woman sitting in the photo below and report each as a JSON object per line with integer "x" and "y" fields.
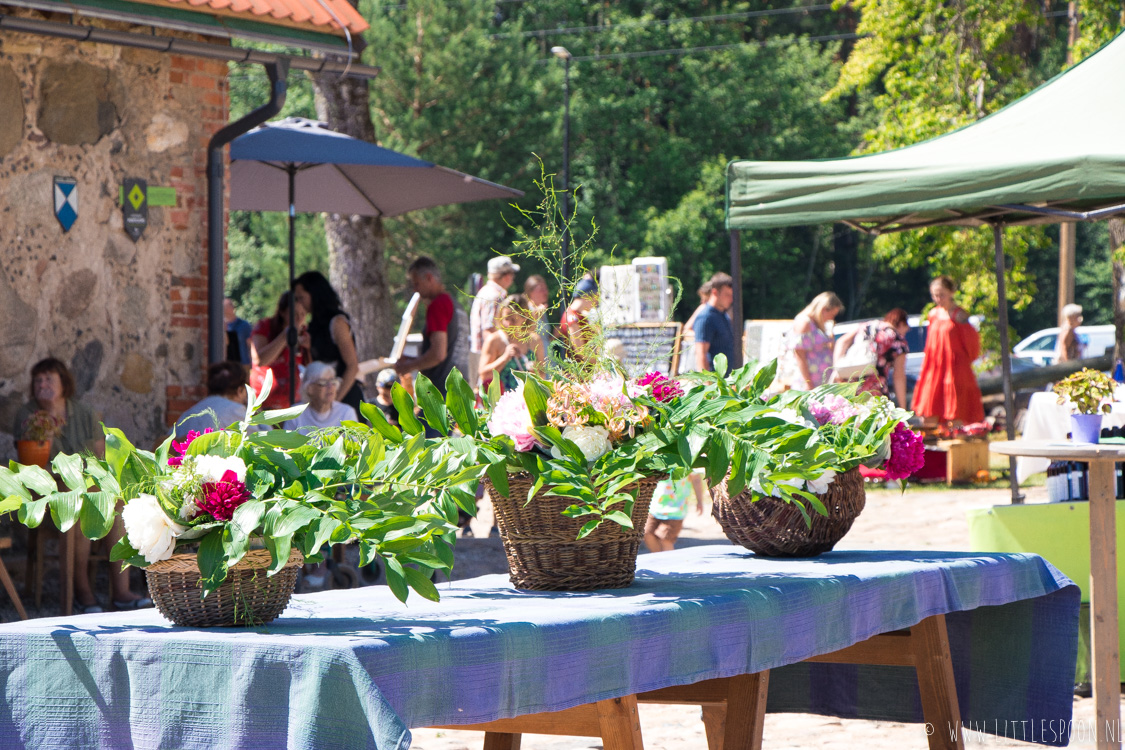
{"x": 318, "y": 389}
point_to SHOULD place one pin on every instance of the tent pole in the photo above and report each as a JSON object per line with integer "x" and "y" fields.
{"x": 292, "y": 334}
{"x": 1005, "y": 357}
{"x": 736, "y": 304}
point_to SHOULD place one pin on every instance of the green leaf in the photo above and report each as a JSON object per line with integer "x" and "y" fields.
{"x": 64, "y": 508}
{"x": 248, "y": 515}
{"x": 279, "y": 547}
{"x": 378, "y": 420}
{"x": 535, "y": 394}
{"x": 421, "y": 583}
{"x": 620, "y": 518}
{"x": 433, "y": 407}
{"x": 124, "y": 552}
{"x": 444, "y": 552}
{"x": 318, "y": 534}
{"x": 31, "y": 513}
{"x": 69, "y": 468}
{"x": 294, "y": 519}
{"x": 763, "y": 378}
{"x": 211, "y": 559}
{"x": 10, "y": 503}
{"x": 720, "y": 364}
{"x": 498, "y": 475}
{"x": 493, "y": 393}
{"x": 11, "y": 485}
{"x": 405, "y": 406}
{"x": 589, "y": 526}
{"x": 396, "y": 578}
{"x": 117, "y": 450}
{"x": 279, "y": 439}
{"x": 96, "y": 515}
{"x": 277, "y": 416}
{"x": 37, "y": 479}
{"x": 461, "y": 403}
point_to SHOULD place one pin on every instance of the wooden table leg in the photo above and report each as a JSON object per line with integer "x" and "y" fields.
{"x": 502, "y": 741}
{"x": 714, "y": 724}
{"x": 620, "y": 723}
{"x": 1103, "y": 604}
{"x": 11, "y": 589}
{"x": 934, "y": 665}
{"x": 66, "y": 570}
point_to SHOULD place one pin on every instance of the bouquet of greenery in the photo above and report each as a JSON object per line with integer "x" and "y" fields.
{"x": 1089, "y": 391}
{"x": 222, "y": 491}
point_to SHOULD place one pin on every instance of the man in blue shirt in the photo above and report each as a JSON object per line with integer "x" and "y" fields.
{"x": 712, "y": 328}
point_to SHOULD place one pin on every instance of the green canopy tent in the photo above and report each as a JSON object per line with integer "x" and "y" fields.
{"x": 1057, "y": 154}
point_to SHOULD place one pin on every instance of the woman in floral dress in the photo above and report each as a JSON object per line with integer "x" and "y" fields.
{"x": 807, "y": 358}
{"x": 887, "y": 337}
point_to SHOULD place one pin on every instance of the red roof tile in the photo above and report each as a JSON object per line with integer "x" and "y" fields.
{"x": 311, "y": 15}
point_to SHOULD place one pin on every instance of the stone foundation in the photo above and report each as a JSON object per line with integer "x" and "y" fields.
{"x": 128, "y": 319}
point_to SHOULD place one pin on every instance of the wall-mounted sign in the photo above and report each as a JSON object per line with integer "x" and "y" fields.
{"x": 66, "y": 201}
{"x": 157, "y": 196}
{"x": 135, "y": 207}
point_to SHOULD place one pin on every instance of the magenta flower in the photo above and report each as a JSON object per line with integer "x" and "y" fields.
{"x": 181, "y": 447}
{"x": 907, "y": 453}
{"x": 664, "y": 389}
{"x": 222, "y": 498}
{"x": 833, "y": 408}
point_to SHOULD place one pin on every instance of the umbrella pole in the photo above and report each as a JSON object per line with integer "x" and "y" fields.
{"x": 292, "y": 336}
{"x": 1005, "y": 357}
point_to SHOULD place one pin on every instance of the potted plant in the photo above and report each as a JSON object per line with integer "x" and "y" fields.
{"x": 221, "y": 521}
{"x": 39, "y": 429}
{"x": 1089, "y": 393}
{"x": 785, "y": 473}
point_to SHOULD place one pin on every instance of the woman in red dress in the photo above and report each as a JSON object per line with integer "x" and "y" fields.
{"x": 947, "y": 386}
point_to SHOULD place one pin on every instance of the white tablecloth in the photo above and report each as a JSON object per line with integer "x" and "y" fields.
{"x": 1049, "y": 420}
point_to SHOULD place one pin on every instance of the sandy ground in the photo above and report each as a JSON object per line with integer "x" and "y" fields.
{"x": 922, "y": 520}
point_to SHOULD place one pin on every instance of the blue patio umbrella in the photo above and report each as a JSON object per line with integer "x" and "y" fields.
{"x": 331, "y": 172}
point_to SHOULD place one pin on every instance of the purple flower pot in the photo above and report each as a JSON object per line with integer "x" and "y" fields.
{"x": 1085, "y": 428}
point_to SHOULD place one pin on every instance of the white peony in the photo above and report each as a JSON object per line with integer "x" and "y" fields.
{"x": 211, "y": 468}
{"x": 592, "y": 440}
{"x": 819, "y": 485}
{"x": 149, "y": 529}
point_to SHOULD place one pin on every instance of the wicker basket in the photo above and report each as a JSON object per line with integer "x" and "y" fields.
{"x": 247, "y": 597}
{"x": 543, "y": 551}
{"x": 774, "y": 528}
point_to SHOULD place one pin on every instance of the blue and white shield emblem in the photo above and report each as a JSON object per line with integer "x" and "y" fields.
{"x": 66, "y": 201}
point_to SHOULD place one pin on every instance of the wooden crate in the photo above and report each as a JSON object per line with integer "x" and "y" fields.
{"x": 964, "y": 458}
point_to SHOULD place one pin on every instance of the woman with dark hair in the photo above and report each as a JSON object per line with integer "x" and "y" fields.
{"x": 330, "y": 333}
{"x": 947, "y": 388}
{"x": 887, "y": 339}
{"x": 269, "y": 348}
{"x": 79, "y": 431}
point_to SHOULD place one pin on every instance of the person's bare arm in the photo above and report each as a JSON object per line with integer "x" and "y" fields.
{"x": 342, "y": 336}
{"x": 701, "y": 349}
{"x": 493, "y": 356}
{"x": 844, "y": 343}
{"x": 439, "y": 341}
{"x": 900, "y": 380}
{"x": 263, "y": 352}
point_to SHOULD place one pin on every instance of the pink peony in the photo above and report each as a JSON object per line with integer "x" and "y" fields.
{"x": 907, "y": 453}
{"x": 222, "y": 498}
{"x": 832, "y": 408}
{"x": 511, "y": 418}
{"x": 664, "y": 389}
{"x": 181, "y": 447}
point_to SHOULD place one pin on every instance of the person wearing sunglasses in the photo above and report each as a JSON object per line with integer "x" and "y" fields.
{"x": 319, "y": 390}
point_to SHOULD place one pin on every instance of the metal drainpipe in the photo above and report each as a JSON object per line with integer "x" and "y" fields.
{"x": 216, "y": 335}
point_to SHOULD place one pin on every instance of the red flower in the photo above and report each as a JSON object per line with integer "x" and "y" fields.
{"x": 222, "y": 498}
{"x": 181, "y": 448}
{"x": 908, "y": 453}
{"x": 664, "y": 389}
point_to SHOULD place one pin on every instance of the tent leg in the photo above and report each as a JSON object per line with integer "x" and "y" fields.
{"x": 1005, "y": 356}
{"x": 736, "y": 305}
{"x": 292, "y": 332}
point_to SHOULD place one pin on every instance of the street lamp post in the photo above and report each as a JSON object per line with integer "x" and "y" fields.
{"x": 563, "y": 54}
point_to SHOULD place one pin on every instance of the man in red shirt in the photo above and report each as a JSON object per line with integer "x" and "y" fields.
{"x": 445, "y": 336}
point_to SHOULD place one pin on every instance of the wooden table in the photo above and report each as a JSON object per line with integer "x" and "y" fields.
{"x": 734, "y": 708}
{"x": 1103, "y": 568}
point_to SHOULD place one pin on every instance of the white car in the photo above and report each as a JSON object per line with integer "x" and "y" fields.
{"x": 1040, "y": 346}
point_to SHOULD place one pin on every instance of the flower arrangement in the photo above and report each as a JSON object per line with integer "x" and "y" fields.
{"x": 41, "y": 425}
{"x": 1089, "y": 391}
{"x": 223, "y": 491}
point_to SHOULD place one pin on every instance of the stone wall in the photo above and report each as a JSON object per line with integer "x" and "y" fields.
{"x": 128, "y": 318}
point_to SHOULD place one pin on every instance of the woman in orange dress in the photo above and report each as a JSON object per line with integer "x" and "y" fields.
{"x": 947, "y": 388}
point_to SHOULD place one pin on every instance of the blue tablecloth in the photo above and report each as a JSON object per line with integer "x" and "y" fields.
{"x": 355, "y": 669}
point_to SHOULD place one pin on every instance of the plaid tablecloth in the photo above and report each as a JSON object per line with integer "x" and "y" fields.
{"x": 355, "y": 669}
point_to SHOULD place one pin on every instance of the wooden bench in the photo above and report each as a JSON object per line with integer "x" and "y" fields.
{"x": 734, "y": 708}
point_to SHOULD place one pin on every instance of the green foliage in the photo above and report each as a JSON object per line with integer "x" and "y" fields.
{"x": 1089, "y": 391}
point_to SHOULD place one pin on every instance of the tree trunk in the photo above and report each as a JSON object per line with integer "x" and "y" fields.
{"x": 356, "y": 244}
{"x": 1117, "y": 253}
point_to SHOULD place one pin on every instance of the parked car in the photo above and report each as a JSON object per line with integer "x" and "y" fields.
{"x": 1040, "y": 346}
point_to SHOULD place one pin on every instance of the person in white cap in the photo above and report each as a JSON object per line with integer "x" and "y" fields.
{"x": 482, "y": 318}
